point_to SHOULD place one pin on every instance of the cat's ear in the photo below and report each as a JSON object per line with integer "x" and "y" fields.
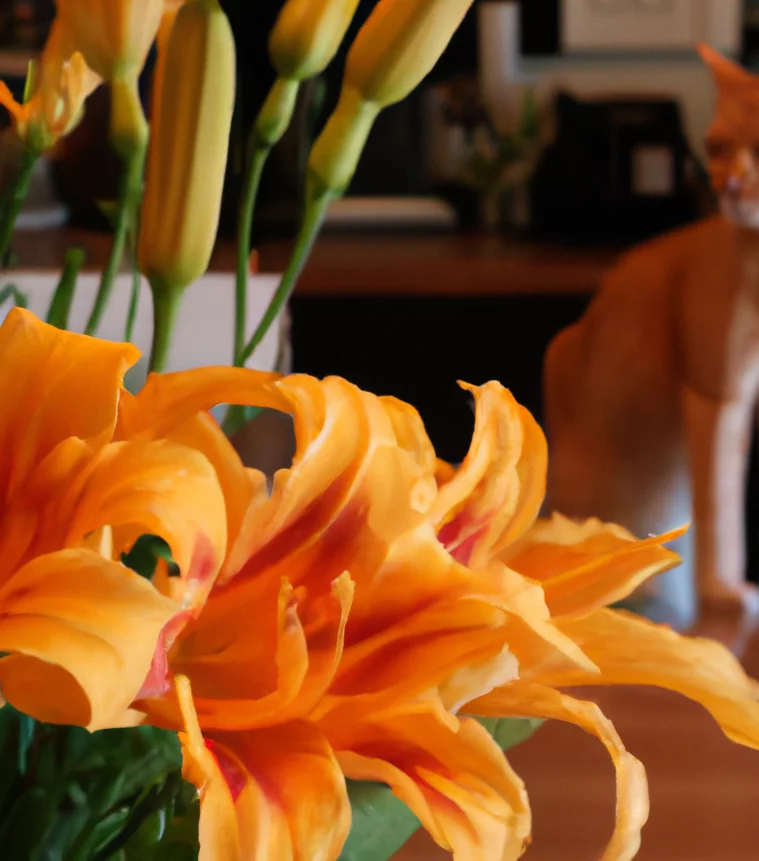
{"x": 726, "y": 73}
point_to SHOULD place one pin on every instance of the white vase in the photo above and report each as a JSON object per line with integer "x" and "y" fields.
{"x": 205, "y": 326}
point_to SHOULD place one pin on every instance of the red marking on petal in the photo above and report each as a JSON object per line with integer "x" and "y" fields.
{"x": 233, "y": 775}
{"x": 158, "y": 680}
{"x": 204, "y": 569}
{"x": 449, "y": 533}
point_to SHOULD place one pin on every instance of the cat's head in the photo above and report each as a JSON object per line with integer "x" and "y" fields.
{"x": 732, "y": 142}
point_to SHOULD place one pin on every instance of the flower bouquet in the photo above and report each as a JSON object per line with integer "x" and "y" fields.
{"x": 198, "y": 663}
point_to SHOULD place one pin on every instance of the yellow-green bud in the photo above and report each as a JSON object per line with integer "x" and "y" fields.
{"x": 399, "y": 45}
{"x": 188, "y": 148}
{"x": 307, "y": 35}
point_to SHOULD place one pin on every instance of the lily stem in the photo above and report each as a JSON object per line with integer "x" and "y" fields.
{"x": 15, "y": 201}
{"x": 166, "y": 302}
{"x": 316, "y": 210}
{"x": 259, "y": 154}
{"x": 130, "y": 196}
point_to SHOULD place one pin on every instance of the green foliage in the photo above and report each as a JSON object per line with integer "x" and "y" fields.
{"x": 381, "y": 823}
{"x": 509, "y": 732}
{"x": 68, "y": 795}
{"x": 144, "y": 556}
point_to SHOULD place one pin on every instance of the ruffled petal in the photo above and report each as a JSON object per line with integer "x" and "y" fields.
{"x": 7, "y": 100}
{"x": 342, "y": 506}
{"x": 242, "y": 488}
{"x": 496, "y": 494}
{"x": 449, "y": 772}
{"x": 521, "y": 699}
{"x": 632, "y": 651}
{"x": 412, "y": 437}
{"x": 283, "y": 784}
{"x": 252, "y": 667}
{"x": 534, "y": 637}
{"x": 81, "y": 631}
{"x": 167, "y": 401}
{"x": 48, "y": 366}
{"x": 155, "y": 488}
{"x": 585, "y": 566}
{"x": 218, "y": 830}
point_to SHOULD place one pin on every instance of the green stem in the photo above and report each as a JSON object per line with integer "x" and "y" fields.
{"x": 255, "y": 169}
{"x": 316, "y": 210}
{"x": 272, "y": 122}
{"x": 129, "y": 201}
{"x": 15, "y": 201}
{"x": 60, "y": 304}
{"x": 166, "y": 302}
{"x": 134, "y": 300}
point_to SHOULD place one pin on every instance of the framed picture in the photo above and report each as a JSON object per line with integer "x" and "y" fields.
{"x": 635, "y": 26}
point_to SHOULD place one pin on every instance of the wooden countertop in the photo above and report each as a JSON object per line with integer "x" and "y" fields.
{"x": 455, "y": 264}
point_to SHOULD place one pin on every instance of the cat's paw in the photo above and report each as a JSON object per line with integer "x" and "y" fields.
{"x": 729, "y": 615}
{"x": 740, "y": 599}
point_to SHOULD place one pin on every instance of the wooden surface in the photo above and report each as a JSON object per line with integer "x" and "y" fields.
{"x": 704, "y": 789}
{"x": 445, "y": 264}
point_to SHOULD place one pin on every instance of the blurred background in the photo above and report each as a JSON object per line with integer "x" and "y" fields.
{"x": 552, "y": 136}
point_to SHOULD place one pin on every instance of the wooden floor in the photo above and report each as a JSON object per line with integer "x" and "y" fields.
{"x": 704, "y": 790}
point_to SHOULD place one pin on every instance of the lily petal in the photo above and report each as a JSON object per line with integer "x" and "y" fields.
{"x": 218, "y": 829}
{"x": 167, "y": 401}
{"x": 239, "y": 681}
{"x": 48, "y": 364}
{"x": 585, "y": 566}
{"x": 81, "y": 631}
{"x": 156, "y": 488}
{"x": 496, "y": 494}
{"x": 630, "y": 650}
{"x": 412, "y": 437}
{"x": 520, "y": 699}
{"x": 450, "y": 773}
{"x": 286, "y": 789}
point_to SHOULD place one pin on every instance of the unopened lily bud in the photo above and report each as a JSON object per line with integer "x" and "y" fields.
{"x": 302, "y": 44}
{"x": 393, "y": 52}
{"x": 307, "y": 35}
{"x": 188, "y": 149}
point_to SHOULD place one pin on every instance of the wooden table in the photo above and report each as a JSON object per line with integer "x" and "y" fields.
{"x": 444, "y": 264}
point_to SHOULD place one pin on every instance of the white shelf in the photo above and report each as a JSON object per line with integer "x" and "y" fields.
{"x": 14, "y": 63}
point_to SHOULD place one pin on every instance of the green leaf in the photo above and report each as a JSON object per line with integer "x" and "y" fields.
{"x": 382, "y": 824}
{"x": 101, "y": 834}
{"x": 144, "y": 556}
{"x": 26, "y": 826}
{"x": 509, "y": 732}
{"x": 26, "y": 726}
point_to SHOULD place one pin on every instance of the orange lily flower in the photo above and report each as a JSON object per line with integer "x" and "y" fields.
{"x": 78, "y": 630}
{"x": 64, "y": 82}
{"x": 367, "y": 598}
{"x": 340, "y": 634}
{"x": 485, "y": 513}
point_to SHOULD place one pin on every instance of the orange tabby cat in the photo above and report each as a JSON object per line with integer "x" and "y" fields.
{"x": 650, "y": 398}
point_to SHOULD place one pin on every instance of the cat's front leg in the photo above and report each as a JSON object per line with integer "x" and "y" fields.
{"x": 718, "y": 434}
